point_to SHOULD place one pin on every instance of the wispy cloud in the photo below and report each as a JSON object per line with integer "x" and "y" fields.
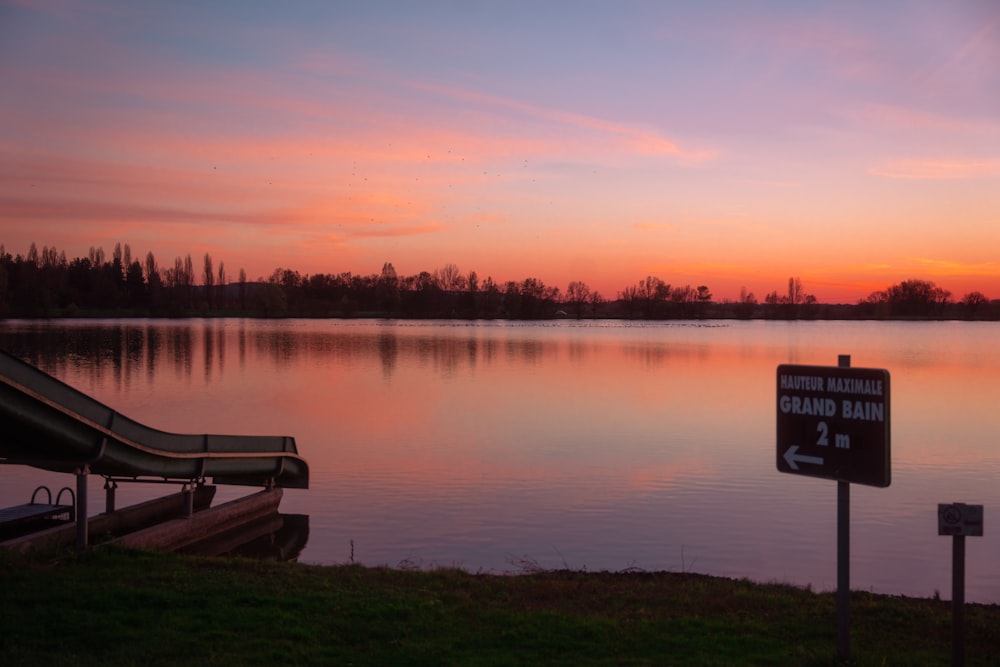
{"x": 53, "y": 188}
{"x": 635, "y": 139}
{"x": 392, "y": 231}
{"x": 938, "y": 169}
{"x": 947, "y": 267}
{"x": 883, "y": 116}
{"x": 654, "y": 226}
{"x": 980, "y": 50}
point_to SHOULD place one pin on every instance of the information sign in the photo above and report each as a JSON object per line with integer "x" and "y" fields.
{"x": 960, "y": 519}
{"x": 833, "y": 422}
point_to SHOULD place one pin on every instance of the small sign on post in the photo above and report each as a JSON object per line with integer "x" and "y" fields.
{"x": 959, "y": 520}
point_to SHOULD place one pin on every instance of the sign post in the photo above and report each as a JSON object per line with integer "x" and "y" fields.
{"x": 959, "y": 520}
{"x": 843, "y": 556}
{"x": 833, "y": 422}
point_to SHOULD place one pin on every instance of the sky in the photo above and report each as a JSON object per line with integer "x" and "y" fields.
{"x": 730, "y": 144}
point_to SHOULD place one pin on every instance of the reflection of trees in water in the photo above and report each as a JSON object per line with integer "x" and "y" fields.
{"x": 390, "y": 349}
{"x": 472, "y": 351}
{"x": 653, "y": 355}
{"x": 154, "y": 340}
{"x": 221, "y": 344}
{"x": 489, "y": 348}
{"x": 178, "y": 350}
{"x": 529, "y": 351}
{"x": 128, "y": 344}
{"x": 578, "y": 350}
{"x": 281, "y": 345}
{"x": 649, "y": 355}
{"x": 122, "y": 352}
{"x": 447, "y": 356}
{"x": 208, "y": 347}
{"x": 388, "y": 352}
{"x": 119, "y": 352}
{"x": 242, "y": 343}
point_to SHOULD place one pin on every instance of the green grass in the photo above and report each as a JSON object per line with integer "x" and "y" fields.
{"x": 112, "y": 607}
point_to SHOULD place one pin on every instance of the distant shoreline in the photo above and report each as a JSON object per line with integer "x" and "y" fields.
{"x": 712, "y": 312}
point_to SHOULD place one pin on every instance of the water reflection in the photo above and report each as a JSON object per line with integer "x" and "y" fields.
{"x": 598, "y": 445}
{"x": 131, "y": 349}
{"x": 279, "y": 537}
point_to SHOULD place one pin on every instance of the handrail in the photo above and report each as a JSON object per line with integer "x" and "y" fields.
{"x": 72, "y": 496}
{"x": 46, "y": 490}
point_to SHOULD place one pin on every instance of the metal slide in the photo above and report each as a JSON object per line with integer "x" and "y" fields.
{"x": 47, "y": 424}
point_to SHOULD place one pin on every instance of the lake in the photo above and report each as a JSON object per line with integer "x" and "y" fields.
{"x": 507, "y": 446}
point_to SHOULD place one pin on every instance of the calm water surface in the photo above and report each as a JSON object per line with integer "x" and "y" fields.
{"x": 500, "y": 446}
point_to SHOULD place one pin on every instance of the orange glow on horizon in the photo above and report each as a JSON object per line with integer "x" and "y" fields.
{"x": 338, "y": 150}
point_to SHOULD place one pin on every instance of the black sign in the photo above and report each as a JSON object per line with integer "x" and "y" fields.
{"x": 833, "y": 423}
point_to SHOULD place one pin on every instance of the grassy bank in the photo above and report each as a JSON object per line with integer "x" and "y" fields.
{"x": 132, "y": 608}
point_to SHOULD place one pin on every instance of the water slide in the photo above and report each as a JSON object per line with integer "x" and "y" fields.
{"x": 47, "y": 424}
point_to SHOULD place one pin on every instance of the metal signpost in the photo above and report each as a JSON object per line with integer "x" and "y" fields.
{"x": 959, "y": 520}
{"x": 833, "y": 423}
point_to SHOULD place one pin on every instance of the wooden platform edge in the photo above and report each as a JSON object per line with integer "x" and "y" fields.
{"x": 127, "y": 518}
{"x": 177, "y": 533}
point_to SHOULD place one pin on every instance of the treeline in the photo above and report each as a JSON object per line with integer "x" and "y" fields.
{"x": 45, "y": 283}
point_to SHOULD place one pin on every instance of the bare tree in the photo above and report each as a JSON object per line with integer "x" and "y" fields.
{"x": 629, "y": 298}
{"x": 208, "y": 280}
{"x": 220, "y": 285}
{"x": 917, "y": 298}
{"x": 151, "y": 269}
{"x": 682, "y": 295}
{"x": 208, "y": 277}
{"x": 577, "y": 294}
{"x": 974, "y": 300}
{"x": 794, "y": 291}
{"x": 650, "y": 293}
{"x": 745, "y": 307}
{"x": 50, "y": 258}
{"x": 449, "y": 278}
{"x": 595, "y": 302}
{"x": 387, "y": 288}
{"x": 243, "y": 288}
{"x": 188, "y": 271}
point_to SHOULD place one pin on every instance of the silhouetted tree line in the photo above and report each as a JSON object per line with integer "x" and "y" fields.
{"x": 45, "y": 283}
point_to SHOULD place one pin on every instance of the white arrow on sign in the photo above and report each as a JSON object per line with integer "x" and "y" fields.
{"x": 793, "y": 459}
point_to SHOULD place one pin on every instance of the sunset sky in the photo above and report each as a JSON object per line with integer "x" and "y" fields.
{"x": 851, "y": 144}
